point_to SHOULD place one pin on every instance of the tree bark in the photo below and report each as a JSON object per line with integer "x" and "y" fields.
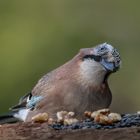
{"x": 37, "y": 131}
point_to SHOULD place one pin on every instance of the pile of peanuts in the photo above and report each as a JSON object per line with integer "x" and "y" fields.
{"x": 63, "y": 117}
{"x": 103, "y": 116}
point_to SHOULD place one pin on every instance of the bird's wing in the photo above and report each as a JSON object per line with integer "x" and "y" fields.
{"x": 27, "y": 102}
{"x": 41, "y": 89}
{"x": 30, "y": 99}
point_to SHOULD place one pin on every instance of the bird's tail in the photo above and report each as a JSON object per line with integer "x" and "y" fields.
{"x": 8, "y": 118}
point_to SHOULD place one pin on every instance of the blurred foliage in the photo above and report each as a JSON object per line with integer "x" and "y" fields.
{"x": 37, "y": 36}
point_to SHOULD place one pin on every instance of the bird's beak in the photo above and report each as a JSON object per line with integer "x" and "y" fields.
{"x": 109, "y": 66}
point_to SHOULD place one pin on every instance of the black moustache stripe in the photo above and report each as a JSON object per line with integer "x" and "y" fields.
{"x": 95, "y": 57}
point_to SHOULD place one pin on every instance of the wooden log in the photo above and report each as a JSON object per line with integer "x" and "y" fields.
{"x": 37, "y": 131}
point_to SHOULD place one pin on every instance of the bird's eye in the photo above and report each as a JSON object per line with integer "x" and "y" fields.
{"x": 102, "y": 48}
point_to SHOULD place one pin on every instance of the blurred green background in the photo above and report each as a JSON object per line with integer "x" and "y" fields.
{"x": 36, "y": 36}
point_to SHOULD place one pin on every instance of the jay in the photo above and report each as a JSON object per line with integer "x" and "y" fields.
{"x": 78, "y": 85}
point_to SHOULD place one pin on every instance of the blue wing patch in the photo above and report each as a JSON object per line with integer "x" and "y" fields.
{"x": 33, "y": 101}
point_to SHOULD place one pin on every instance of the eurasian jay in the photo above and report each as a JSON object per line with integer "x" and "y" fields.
{"x": 78, "y": 85}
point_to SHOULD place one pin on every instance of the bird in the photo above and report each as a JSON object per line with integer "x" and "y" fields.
{"x": 78, "y": 85}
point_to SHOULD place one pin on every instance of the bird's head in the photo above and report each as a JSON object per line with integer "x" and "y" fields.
{"x": 107, "y": 56}
{"x": 99, "y": 61}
